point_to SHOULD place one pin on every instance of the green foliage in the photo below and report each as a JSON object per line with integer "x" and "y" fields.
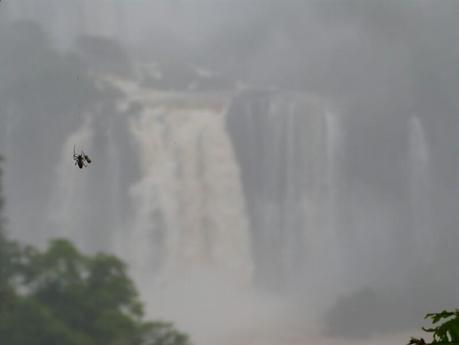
{"x": 447, "y": 330}
{"x": 61, "y": 296}
{"x": 32, "y": 323}
{"x": 163, "y": 333}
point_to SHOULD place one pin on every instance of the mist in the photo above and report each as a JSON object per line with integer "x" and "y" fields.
{"x": 266, "y": 168}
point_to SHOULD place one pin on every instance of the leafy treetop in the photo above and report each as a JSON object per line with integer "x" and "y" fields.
{"x": 446, "y": 332}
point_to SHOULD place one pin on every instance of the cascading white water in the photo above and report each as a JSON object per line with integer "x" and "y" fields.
{"x": 69, "y": 196}
{"x": 420, "y": 189}
{"x": 195, "y": 233}
{"x": 331, "y": 263}
{"x": 86, "y": 205}
{"x": 334, "y": 142}
{"x": 189, "y": 211}
{"x": 187, "y": 235}
{"x": 289, "y": 148}
{"x": 188, "y": 240}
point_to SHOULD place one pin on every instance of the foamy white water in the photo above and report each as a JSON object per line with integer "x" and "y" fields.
{"x": 420, "y": 184}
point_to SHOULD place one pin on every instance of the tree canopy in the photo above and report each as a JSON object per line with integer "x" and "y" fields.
{"x": 60, "y": 296}
{"x": 444, "y": 331}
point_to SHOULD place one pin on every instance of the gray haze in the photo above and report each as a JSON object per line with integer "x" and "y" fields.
{"x": 266, "y": 167}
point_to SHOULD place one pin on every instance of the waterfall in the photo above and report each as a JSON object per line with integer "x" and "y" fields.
{"x": 333, "y": 135}
{"x": 420, "y": 189}
{"x": 189, "y": 212}
{"x": 67, "y": 204}
{"x": 87, "y": 205}
{"x": 329, "y": 232}
{"x": 8, "y": 123}
{"x": 289, "y": 148}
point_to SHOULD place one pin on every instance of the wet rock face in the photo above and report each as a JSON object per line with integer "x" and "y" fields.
{"x": 322, "y": 192}
{"x": 287, "y": 147}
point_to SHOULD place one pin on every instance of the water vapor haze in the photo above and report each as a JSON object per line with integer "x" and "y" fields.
{"x": 267, "y": 168}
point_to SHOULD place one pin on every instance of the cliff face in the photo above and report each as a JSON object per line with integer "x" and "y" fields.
{"x": 288, "y": 147}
